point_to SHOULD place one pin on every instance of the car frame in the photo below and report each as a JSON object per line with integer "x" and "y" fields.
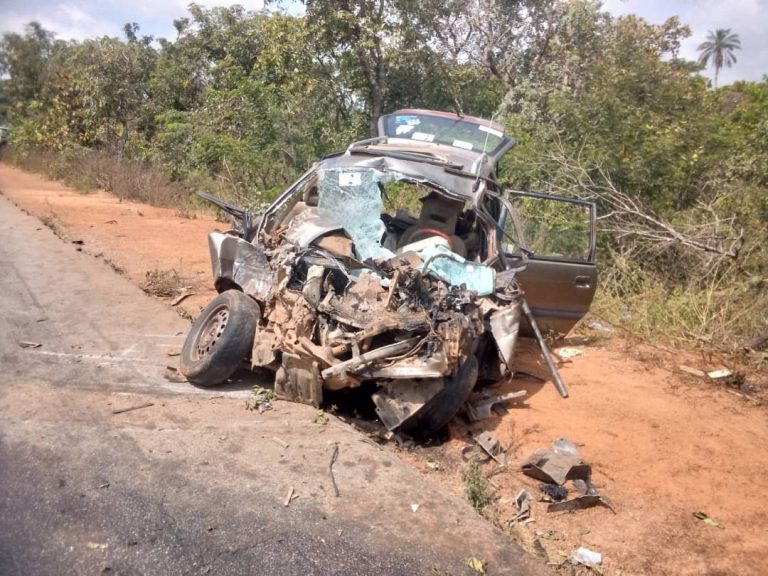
{"x": 336, "y": 286}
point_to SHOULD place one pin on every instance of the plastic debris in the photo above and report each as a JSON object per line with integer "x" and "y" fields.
{"x": 720, "y": 374}
{"x": 414, "y": 507}
{"x": 586, "y": 557}
{"x": 568, "y": 353}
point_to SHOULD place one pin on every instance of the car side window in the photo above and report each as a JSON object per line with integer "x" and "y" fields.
{"x": 552, "y": 227}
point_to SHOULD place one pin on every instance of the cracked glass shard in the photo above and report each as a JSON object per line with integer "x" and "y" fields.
{"x": 452, "y": 268}
{"x": 352, "y": 197}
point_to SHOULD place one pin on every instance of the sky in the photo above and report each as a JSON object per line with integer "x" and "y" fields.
{"x": 79, "y": 19}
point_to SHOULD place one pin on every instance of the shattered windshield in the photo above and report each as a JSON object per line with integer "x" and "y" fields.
{"x": 352, "y": 197}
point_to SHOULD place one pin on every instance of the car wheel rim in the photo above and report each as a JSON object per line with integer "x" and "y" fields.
{"x": 211, "y": 332}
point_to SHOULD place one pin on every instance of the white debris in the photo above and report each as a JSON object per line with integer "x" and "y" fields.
{"x": 586, "y": 557}
{"x": 567, "y": 353}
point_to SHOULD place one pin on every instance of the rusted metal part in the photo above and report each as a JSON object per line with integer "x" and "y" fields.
{"x": 298, "y": 379}
{"x": 358, "y": 362}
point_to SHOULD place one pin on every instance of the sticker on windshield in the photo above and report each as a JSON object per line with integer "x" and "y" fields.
{"x": 408, "y": 120}
{"x": 493, "y": 131}
{"x": 423, "y": 137}
{"x": 463, "y": 144}
{"x": 350, "y": 179}
{"x": 403, "y": 129}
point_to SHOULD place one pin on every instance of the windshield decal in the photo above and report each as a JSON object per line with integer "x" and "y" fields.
{"x": 490, "y": 130}
{"x": 423, "y": 137}
{"x": 462, "y": 144}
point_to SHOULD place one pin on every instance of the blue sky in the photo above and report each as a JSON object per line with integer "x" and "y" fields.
{"x": 78, "y": 19}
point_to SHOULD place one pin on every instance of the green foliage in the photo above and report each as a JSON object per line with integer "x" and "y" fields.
{"x": 243, "y": 102}
{"x": 476, "y": 486}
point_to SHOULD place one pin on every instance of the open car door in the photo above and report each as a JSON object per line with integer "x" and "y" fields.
{"x": 558, "y": 236}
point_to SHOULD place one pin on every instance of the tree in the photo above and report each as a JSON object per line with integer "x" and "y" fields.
{"x": 23, "y": 60}
{"x": 719, "y": 47}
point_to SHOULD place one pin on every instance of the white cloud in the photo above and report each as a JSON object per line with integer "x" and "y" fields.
{"x": 80, "y": 19}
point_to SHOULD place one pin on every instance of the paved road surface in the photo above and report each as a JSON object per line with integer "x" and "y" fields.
{"x": 194, "y": 484}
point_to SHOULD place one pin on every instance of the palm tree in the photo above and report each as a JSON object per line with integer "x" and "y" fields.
{"x": 719, "y": 47}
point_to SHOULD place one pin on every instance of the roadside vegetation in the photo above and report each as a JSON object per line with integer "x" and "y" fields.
{"x": 240, "y": 103}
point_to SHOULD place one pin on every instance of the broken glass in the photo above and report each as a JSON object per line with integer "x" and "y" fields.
{"x": 352, "y": 197}
{"x": 452, "y": 268}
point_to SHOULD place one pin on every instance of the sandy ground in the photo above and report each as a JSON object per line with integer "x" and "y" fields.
{"x": 662, "y": 444}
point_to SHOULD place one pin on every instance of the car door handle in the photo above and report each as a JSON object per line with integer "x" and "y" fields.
{"x": 582, "y": 282}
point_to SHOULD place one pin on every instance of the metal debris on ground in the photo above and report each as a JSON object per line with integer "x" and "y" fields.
{"x": 480, "y": 405}
{"x": 523, "y": 505}
{"x": 491, "y": 446}
{"x": 707, "y": 519}
{"x": 28, "y": 344}
{"x": 558, "y": 464}
{"x": 586, "y": 557}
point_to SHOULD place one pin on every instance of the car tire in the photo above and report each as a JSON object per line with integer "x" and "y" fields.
{"x": 441, "y": 408}
{"x": 220, "y": 339}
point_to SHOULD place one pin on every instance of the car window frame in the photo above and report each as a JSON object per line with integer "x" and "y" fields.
{"x": 508, "y": 211}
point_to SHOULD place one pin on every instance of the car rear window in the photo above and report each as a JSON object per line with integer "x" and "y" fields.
{"x": 447, "y": 131}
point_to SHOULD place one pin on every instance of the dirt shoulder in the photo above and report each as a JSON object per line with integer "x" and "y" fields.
{"x": 662, "y": 444}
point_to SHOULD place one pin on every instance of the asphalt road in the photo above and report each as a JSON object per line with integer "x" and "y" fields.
{"x": 194, "y": 484}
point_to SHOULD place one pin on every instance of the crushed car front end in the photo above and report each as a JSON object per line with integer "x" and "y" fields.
{"x": 387, "y": 264}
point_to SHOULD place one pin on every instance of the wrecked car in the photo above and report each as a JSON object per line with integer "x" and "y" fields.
{"x": 399, "y": 264}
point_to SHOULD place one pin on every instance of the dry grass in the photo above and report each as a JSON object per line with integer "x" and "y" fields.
{"x": 162, "y": 283}
{"x": 90, "y": 170}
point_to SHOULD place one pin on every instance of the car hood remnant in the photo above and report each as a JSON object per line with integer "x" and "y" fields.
{"x": 386, "y": 264}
